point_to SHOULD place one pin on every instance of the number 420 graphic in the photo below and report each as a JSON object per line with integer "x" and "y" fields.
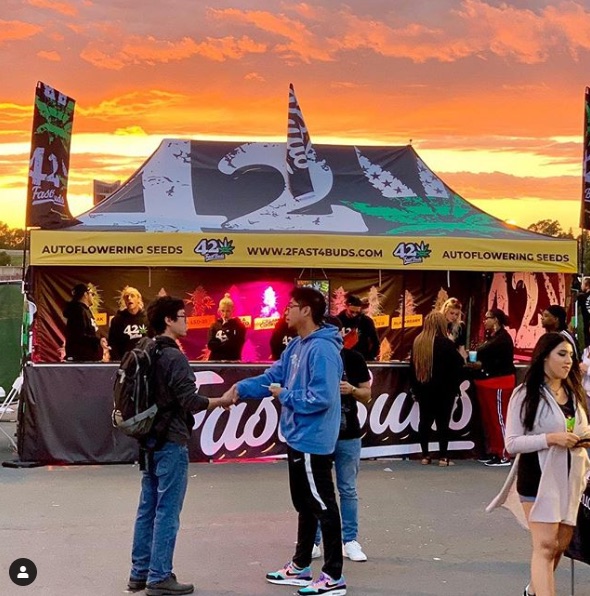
{"x": 412, "y": 252}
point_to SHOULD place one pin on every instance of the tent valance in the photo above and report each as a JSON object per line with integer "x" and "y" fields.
{"x": 221, "y": 249}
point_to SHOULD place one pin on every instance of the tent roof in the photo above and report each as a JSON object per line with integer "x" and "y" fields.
{"x": 244, "y": 187}
{"x": 357, "y": 196}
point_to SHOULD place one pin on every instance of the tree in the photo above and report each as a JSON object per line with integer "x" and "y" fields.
{"x": 550, "y": 227}
{"x": 11, "y": 238}
{"x": 4, "y": 258}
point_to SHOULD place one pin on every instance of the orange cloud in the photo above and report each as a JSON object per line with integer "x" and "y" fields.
{"x": 64, "y": 8}
{"x": 52, "y": 56}
{"x": 131, "y": 106}
{"x": 149, "y": 50}
{"x": 475, "y": 28}
{"x": 498, "y": 185}
{"x": 254, "y": 76}
{"x": 16, "y": 30}
{"x": 301, "y": 44}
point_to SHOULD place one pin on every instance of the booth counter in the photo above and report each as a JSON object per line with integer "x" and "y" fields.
{"x": 65, "y": 417}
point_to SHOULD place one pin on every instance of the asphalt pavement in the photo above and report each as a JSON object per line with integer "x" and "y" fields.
{"x": 423, "y": 528}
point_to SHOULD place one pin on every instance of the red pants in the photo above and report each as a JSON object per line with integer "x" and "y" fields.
{"x": 493, "y": 396}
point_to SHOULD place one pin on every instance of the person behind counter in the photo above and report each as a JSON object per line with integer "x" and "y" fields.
{"x": 359, "y": 329}
{"x": 281, "y": 336}
{"x": 83, "y": 341}
{"x": 554, "y": 319}
{"x": 227, "y": 335}
{"x": 451, "y": 309}
{"x": 495, "y": 361}
{"x": 129, "y": 325}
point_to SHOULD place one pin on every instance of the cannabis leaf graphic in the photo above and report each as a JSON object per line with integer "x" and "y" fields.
{"x": 423, "y": 250}
{"x": 226, "y": 247}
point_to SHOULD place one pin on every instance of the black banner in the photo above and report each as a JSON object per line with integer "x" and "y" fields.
{"x": 299, "y": 151}
{"x": 49, "y": 164}
{"x": 65, "y": 417}
{"x": 585, "y": 211}
{"x": 579, "y": 547}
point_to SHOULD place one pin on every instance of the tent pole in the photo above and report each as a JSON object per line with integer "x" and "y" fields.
{"x": 403, "y": 313}
{"x": 572, "y": 576}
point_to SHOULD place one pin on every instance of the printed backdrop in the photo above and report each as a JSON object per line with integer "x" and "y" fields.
{"x": 397, "y": 301}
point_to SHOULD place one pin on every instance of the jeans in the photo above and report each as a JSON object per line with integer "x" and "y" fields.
{"x": 163, "y": 486}
{"x": 347, "y": 459}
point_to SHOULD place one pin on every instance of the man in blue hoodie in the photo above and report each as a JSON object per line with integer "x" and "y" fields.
{"x": 306, "y": 380}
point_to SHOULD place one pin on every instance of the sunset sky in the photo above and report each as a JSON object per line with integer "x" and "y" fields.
{"x": 490, "y": 93}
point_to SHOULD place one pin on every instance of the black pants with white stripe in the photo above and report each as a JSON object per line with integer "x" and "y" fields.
{"x": 314, "y": 498}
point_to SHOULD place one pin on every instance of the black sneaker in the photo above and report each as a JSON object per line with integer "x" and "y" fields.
{"x": 136, "y": 585}
{"x": 169, "y": 587}
{"x": 484, "y": 459}
{"x": 497, "y": 462}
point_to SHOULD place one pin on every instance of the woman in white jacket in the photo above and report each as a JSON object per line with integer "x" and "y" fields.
{"x": 547, "y": 418}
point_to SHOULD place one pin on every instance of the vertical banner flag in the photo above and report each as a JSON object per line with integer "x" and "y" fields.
{"x": 299, "y": 151}
{"x": 585, "y": 212}
{"x": 50, "y": 159}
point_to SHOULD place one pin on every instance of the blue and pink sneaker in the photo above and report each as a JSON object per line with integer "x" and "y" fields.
{"x": 290, "y": 575}
{"x": 324, "y": 585}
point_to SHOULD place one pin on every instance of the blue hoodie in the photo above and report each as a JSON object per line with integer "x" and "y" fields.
{"x": 309, "y": 372}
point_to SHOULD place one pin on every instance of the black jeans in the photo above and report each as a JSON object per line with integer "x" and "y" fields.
{"x": 314, "y": 498}
{"x": 435, "y": 408}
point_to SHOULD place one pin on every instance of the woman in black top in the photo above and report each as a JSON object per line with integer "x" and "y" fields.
{"x": 495, "y": 360}
{"x": 435, "y": 368}
{"x": 227, "y": 335}
{"x": 451, "y": 309}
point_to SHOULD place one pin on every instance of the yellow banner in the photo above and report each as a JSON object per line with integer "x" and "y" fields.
{"x": 409, "y": 321}
{"x": 217, "y": 249}
{"x": 200, "y": 322}
{"x": 261, "y": 323}
{"x": 101, "y": 318}
{"x": 381, "y": 321}
{"x": 247, "y": 320}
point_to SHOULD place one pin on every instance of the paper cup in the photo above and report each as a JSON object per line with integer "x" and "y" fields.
{"x": 472, "y": 356}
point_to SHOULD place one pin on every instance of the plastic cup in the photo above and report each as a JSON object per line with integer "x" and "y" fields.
{"x": 472, "y": 355}
{"x": 274, "y": 386}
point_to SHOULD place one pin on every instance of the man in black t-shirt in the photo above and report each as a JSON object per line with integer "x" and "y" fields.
{"x": 359, "y": 331}
{"x": 355, "y": 386}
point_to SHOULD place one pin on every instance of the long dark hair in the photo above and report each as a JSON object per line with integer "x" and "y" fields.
{"x": 535, "y": 377}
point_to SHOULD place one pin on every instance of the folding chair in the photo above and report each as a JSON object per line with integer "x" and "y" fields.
{"x": 11, "y": 398}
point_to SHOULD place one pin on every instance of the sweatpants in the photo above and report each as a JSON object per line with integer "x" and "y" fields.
{"x": 314, "y": 499}
{"x": 493, "y": 396}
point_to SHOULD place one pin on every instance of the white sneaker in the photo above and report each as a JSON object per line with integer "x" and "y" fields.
{"x": 316, "y": 552}
{"x": 353, "y": 551}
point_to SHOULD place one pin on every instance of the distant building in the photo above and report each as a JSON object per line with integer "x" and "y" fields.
{"x": 102, "y": 190}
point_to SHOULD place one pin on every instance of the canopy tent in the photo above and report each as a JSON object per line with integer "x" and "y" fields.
{"x": 201, "y": 218}
{"x": 233, "y": 205}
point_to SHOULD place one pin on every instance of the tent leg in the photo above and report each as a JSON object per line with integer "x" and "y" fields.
{"x": 572, "y": 576}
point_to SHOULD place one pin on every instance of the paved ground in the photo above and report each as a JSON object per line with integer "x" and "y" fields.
{"x": 424, "y": 529}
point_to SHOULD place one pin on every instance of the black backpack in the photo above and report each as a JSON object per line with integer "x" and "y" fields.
{"x": 135, "y": 407}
